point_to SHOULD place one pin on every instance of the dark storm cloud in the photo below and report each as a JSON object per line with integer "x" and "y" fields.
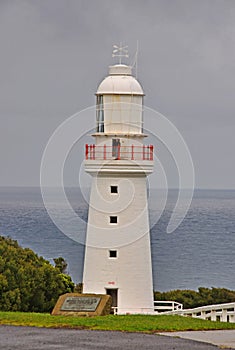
{"x": 54, "y": 53}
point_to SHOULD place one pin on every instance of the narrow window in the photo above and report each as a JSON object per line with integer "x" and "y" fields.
{"x": 113, "y": 219}
{"x": 113, "y": 254}
{"x": 114, "y": 189}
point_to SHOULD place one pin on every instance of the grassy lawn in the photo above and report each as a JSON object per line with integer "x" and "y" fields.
{"x": 128, "y": 323}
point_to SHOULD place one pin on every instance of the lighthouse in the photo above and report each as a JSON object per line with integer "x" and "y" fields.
{"x": 117, "y": 254}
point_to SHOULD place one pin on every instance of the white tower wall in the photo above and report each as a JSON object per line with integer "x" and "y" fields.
{"x": 131, "y": 271}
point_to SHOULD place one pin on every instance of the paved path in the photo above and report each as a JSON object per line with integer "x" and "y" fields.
{"x": 30, "y": 338}
{"x": 224, "y": 338}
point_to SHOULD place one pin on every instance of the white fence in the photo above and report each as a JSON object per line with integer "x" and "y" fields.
{"x": 159, "y": 307}
{"x": 218, "y": 312}
{"x": 164, "y": 306}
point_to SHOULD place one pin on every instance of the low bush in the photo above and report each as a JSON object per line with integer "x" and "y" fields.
{"x": 29, "y": 282}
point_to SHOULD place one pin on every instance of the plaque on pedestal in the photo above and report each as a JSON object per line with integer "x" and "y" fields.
{"x": 76, "y": 304}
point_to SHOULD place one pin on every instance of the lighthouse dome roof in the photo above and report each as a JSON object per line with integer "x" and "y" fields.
{"x": 120, "y": 81}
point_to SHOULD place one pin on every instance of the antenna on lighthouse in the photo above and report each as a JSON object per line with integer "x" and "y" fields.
{"x": 135, "y": 63}
{"x": 120, "y": 51}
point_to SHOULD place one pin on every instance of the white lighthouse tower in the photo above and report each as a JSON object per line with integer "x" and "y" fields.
{"x": 117, "y": 256}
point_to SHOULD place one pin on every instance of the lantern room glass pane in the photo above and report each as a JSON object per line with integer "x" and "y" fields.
{"x": 100, "y": 114}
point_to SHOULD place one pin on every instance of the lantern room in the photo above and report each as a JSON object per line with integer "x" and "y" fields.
{"x": 119, "y": 103}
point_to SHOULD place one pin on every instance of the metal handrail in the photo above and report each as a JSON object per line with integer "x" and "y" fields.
{"x": 104, "y": 152}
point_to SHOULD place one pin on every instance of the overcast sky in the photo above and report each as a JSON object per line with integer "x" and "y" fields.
{"x": 54, "y": 53}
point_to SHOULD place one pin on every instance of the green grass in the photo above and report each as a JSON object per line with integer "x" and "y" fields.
{"x": 128, "y": 323}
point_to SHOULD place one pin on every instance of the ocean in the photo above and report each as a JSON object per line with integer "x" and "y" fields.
{"x": 199, "y": 253}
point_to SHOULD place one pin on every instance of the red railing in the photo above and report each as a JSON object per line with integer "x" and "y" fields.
{"x": 118, "y": 152}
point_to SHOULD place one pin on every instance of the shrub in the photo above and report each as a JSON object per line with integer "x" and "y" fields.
{"x": 29, "y": 282}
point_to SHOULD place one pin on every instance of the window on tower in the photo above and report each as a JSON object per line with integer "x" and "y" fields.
{"x": 114, "y": 189}
{"x": 99, "y": 114}
{"x": 113, "y": 219}
{"x": 113, "y": 254}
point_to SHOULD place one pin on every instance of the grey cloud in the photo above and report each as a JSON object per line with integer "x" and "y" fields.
{"x": 54, "y": 53}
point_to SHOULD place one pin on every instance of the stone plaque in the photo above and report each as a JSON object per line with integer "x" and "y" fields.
{"x": 76, "y": 304}
{"x": 80, "y": 304}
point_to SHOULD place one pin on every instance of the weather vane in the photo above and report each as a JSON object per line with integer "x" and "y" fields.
{"x": 120, "y": 51}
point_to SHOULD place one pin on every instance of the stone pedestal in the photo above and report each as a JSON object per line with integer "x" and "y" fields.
{"x": 75, "y": 304}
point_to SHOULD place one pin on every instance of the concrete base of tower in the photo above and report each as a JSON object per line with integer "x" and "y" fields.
{"x": 125, "y": 300}
{"x": 120, "y": 304}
